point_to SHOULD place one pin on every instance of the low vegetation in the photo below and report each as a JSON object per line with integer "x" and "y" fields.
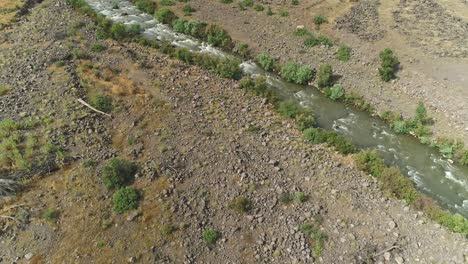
{"x": 165, "y": 16}
{"x": 117, "y": 173}
{"x": 296, "y": 73}
{"x": 240, "y": 204}
{"x": 325, "y": 76}
{"x": 388, "y": 65}
{"x": 125, "y": 199}
{"x": 4, "y": 89}
{"x": 50, "y": 214}
{"x": 331, "y": 138}
{"x": 102, "y": 103}
{"x": 98, "y": 47}
{"x": 316, "y": 236}
{"x": 319, "y": 20}
{"x": 210, "y": 236}
{"x": 267, "y": 62}
{"x": 147, "y": 6}
{"x": 343, "y": 53}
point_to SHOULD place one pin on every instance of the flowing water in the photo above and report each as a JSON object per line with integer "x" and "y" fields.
{"x": 432, "y": 173}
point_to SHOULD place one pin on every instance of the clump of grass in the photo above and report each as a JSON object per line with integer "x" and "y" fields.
{"x": 317, "y": 237}
{"x": 242, "y": 49}
{"x": 240, "y": 204}
{"x": 102, "y": 102}
{"x": 343, "y": 53}
{"x": 269, "y": 12}
{"x": 319, "y": 20}
{"x": 125, "y": 199}
{"x": 267, "y": 62}
{"x": 148, "y": 6}
{"x": 98, "y": 47}
{"x": 259, "y": 7}
{"x": 301, "y": 32}
{"x": 248, "y": 3}
{"x": 336, "y": 92}
{"x": 259, "y": 87}
{"x": 188, "y": 9}
{"x": 286, "y": 198}
{"x": 284, "y": 13}
{"x": 166, "y": 2}
{"x": 295, "y": 2}
{"x": 305, "y": 120}
{"x": 4, "y": 89}
{"x": 325, "y": 76}
{"x": 50, "y": 214}
{"x": 117, "y": 173}
{"x": 318, "y": 136}
{"x": 388, "y": 65}
{"x": 226, "y": 1}
{"x": 167, "y": 229}
{"x": 289, "y": 109}
{"x": 300, "y": 197}
{"x": 165, "y": 16}
{"x": 293, "y": 72}
{"x": 210, "y": 235}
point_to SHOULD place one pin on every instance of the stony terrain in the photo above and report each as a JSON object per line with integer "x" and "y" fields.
{"x": 200, "y": 142}
{"x": 429, "y": 38}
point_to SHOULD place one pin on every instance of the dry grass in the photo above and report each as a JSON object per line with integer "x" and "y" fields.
{"x": 8, "y": 9}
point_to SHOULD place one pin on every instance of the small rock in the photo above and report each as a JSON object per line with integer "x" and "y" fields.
{"x": 387, "y": 255}
{"x": 391, "y": 225}
{"x": 399, "y": 260}
{"x": 29, "y": 256}
{"x": 132, "y": 216}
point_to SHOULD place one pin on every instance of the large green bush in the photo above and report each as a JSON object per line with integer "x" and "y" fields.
{"x": 147, "y": 6}
{"x": 218, "y": 37}
{"x": 102, "y": 102}
{"x": 325, "y": 76}
{"x": 192, "y": 27}
{"x": 371, "y": 163}
{"x": 388, "y": 65}
{"x": 398, "y": 185}
{"x": 266, "y": 61}
{"x": 289, "y": 108}
{"x": 125, "y": 199}
{"x": 165, "y": 16}
{"x": 293, "y": 72}
{"x": 335, "y": 92}
{"x": 318, "y": 135}
{"x": 117, "y": 173}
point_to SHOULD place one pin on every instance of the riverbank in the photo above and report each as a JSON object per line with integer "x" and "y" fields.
{"x": 201, "y": 142}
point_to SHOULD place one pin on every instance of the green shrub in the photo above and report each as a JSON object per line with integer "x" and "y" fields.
{"x": 210, "y": 236}
{"x": 167, "y": 229}
{"x": 134, "y": 30}
{"x": 191, "y": 27}
{"x": 229, "y": 67}
{"x": 183, "y": 54}
{"x": 369, "y": 162}
{"x": 98, "y": 47}
{"x": 454, "y": 222}
{"x": 333, "y": 139}
{"x": 258, "y": 86}
{"x": 115, "y": 5}
{"x": 118, "y": 31}
{"x": 102, "y": 103}
{"x": 117, "y": 173}
{"x": 388, "y": 65}
{"x": 50, "y": 214}
{"x": 259, "y": 7}
{"x": 398, "y": 185}
{"x": 296, "y": 73}
{"x": 285, "y": 198}
{"x": 226, "y": 1}
{"x": 269, "y": 12}
{"x": 266, "y": 61}
{"x": 305, "y": 121}
{"x": 317, "y": 237}
{"x": 319, "y": 20}
{"x": 464, "y": 158}
{"x": 218, "y": 37}
{"x": 421, "y": 113}
{"x": 401, "y": 126}
{"x": 325, "y": 76}
{"x": 187, "y": 9}
{"x": 166, "y": 2}
{"x": 343, "y": 53}
{"x": 240, "y": 204}
{"x": 289, "y": 109}
{"x": 249, "y": 3}
{"x": 295, "y": 2}
{"x": 241, "y": 6}
{"x": 165, "y": 16}
{"x": 243, "y": 50}
{"x": 301, "y": 32}
{"x": 336, "y": 92}
{"x": 324, "y": 40}
{"x": 125, "y": 199}
{"x": 300, "y": 197}
{"x": 284, "y": 13}
{"x": 311, "y": 41}
{"x": 147, "y": 6}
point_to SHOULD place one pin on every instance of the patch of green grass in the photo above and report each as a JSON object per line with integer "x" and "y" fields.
{"x": 333, "y": 139}
{"x": 210, "y": 235}
{"x": 258, "y": 7}
{"x": 295, "y": 2}
{"x": 248, "y": 3}
{"x": 102, "y": 103}
{"x": 343, "y": 53}
{"x": 300, "y": 197}
{"x": 98, "y": 47}
{"x": 269, "y": 12}
{"x": 226, "y": 1}
{"x": 286, "y": 198}
{"x": 166, "y": 2}
{"x": 50, "y": 214}
{"x": 301, "y": 32}
{"x": 188, "y": 9}
{"x": 319, "y": 20}
{"x": 117, "y": 173}
{"x": 317, "y": 237}
{"x": 266, "y": 61}
{"x": 240, "y": 204}
{"x": 284, "y": 13}
{"x": 336, "y": 92}
{"x": 125, "y": 199}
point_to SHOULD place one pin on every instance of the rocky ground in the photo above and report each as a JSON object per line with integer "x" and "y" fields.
{"x": 200, "y": 142}
{"x": 429, "y": 38}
